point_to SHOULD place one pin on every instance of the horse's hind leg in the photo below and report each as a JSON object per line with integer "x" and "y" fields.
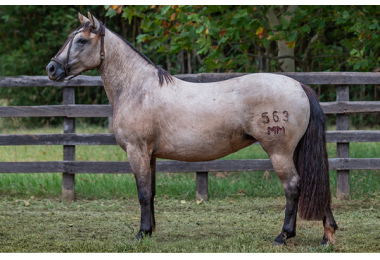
{"x": 286, "y": 171}
{"x": 330, "y": 226}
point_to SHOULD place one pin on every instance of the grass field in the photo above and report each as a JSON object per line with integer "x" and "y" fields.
{"x": 244, "y": 214}
{"x": 243, "y": 224}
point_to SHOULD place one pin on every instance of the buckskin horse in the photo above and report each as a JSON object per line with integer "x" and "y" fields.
{"x": 160, "y": 116}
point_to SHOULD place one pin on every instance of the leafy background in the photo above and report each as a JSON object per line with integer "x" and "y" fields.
{"x": 194, "y": 39}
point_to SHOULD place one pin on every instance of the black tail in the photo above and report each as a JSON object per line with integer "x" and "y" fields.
{"x": 312, "y": 164}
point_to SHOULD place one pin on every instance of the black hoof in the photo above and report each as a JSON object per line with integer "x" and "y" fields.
{"x": 275, "y": 243}
{"x": 142, "y": 234}
{"x": 324, "y": 241}
{"x": 279, "y": 241}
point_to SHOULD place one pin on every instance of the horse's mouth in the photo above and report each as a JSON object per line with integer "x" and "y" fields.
{"x": 60, "y": 78}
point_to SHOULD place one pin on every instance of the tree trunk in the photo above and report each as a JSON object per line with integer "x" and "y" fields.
{"x": 182, "y": 61}
{"x": 287, "y": 64}
{"x": 188, "y": 62}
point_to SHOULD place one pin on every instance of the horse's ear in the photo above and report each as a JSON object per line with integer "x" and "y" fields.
{"x": 93, "y": 21}
{"x": 82, "y": 18}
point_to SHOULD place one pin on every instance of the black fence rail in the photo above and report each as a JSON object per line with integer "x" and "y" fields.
{"x": 69, "y": 139}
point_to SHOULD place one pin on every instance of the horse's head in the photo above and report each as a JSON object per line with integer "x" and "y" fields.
{"x": 83, "y": 50}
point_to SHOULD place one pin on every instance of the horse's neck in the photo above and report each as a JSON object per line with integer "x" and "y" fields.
{"x": 123, "y": 69}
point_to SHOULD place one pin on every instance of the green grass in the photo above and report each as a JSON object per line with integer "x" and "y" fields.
{"x": 243, "y": 224}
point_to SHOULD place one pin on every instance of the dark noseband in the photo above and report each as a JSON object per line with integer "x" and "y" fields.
{"x": 70, "y": 40}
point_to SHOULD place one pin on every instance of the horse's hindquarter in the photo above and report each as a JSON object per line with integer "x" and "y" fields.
{"x": 200, "y": 122}
{"x": 276, "y": 111}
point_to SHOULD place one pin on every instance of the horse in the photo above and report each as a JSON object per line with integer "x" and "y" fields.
{"x": 159, "y": 116}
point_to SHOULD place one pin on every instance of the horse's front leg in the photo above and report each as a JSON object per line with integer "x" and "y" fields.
{"x": 153, "y": 184}
{"x": 143, "y": 166}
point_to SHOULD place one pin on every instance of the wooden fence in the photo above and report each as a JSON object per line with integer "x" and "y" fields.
{"x": 69, "y": 139}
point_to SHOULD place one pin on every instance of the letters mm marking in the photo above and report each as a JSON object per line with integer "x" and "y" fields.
{"x": 276, "y": 129}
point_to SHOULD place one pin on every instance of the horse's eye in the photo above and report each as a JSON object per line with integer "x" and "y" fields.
{"x": 82, "y": 41}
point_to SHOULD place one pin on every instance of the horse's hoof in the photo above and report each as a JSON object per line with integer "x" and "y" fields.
{"x": 275, "y": 243}
{"x": 137, "y": 238}
{"x": 279, "y": 241}
{"x": 324, "y": 241}
{"x": 140, "y": 236}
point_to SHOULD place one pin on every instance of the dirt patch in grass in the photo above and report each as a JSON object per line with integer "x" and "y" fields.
{"x": 224, "y": 225}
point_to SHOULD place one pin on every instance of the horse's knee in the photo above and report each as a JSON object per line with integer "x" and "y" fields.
{"x": 292, "y": 187}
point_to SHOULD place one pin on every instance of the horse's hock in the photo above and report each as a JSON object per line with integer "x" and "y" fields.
{"x": 69, "y": 139}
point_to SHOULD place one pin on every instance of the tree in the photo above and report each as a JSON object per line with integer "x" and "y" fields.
{"x": 258, "y": 38}
{"x": 285, "y": 49}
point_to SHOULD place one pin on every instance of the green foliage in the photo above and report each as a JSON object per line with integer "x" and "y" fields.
{"x": 205, "y": 33}
{"x": 239, "y": 38}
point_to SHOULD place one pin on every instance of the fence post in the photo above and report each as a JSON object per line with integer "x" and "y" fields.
{"x": 202, "y": 186}
{"x": 343, "y": 149}
{"x": 68, "y": 180}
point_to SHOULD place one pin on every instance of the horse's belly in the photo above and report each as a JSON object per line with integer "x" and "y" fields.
{"x": 202, "y": 149}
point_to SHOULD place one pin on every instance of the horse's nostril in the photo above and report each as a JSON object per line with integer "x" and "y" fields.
{"x": 51, "y": 68}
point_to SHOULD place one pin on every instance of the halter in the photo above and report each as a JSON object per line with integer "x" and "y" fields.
{"x": 70, "y": 42}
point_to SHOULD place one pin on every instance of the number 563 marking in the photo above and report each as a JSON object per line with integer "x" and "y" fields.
{"x": 275, "y": 116}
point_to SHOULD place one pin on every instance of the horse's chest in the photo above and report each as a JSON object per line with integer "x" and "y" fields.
{"x": 131, "y": 126}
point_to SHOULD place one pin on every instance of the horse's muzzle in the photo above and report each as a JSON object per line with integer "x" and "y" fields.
{"x": 55, "y": 71}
